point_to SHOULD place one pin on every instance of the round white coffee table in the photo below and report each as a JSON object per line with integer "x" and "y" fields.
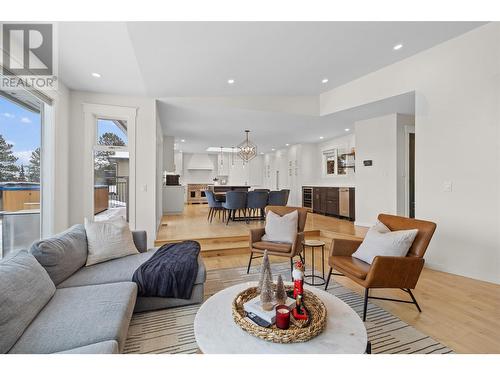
{"x": 217, "y": 333}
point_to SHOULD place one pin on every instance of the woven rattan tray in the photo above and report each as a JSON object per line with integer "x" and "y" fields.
{"x": 314, "y": 306}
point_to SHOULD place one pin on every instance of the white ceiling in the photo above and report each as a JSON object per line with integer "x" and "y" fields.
{"x": 203, "y": 125}
{"x": 161, "y": 59}
{"x": 178, "y": 61}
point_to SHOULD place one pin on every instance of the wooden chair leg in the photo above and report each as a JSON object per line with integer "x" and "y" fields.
{"x": 250, "y": 262}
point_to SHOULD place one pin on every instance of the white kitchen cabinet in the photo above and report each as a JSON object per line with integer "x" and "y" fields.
{"x": 223, "y": 164}
{"x": 178, "y": 159}
{"x": 256, "y": 171}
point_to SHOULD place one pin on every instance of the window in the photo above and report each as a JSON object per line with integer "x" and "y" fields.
{"x": 20, "y": 170}
{"x": 330, "y": 161}
{"x": 111, "y": 170}
{"x": 338, "y": 162}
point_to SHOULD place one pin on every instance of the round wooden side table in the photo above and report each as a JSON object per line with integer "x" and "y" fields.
{"x": 312, "y": 244}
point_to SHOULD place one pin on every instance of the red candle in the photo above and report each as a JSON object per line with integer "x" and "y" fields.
{"x": 282, "y": 317}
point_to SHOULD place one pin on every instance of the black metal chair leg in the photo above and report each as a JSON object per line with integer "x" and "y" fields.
{"x": 228, "y": 217}
{"x": 368, "y": 348}
{"x": 328, "y": 278}
{"x": 413, "y": 299}
{"x": 250, "y": 262}
{"x": 209, "y": 213}
{"x": 365, "y": 305}
{"x": 291, "y": 266}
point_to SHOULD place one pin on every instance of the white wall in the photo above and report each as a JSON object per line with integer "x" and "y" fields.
{"x": 345, "y": 143}
{"x": 376, "y": 185}
{"x": 145, "y": 157}
{"x": 160, "y": 167}
{"x": 457, "y": 116}
{"x": 301, "y": 165}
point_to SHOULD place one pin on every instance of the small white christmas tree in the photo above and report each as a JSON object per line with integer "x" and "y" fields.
{"x": 266, "y": 267}
{"x": 280, "y": 291}
{"x": 266, "y": 293}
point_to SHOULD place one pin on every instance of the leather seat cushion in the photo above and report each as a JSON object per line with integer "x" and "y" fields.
{"x": 350, "y": 265}
{"x": 273, "y": 246}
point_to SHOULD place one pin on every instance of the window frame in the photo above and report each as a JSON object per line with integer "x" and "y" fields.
{"x": 93, "y": 113}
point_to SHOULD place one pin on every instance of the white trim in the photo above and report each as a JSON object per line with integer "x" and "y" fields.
{"x": 47, "y": 170}
{"x": 409, "y": 129}
{"x": 92, "y": 112}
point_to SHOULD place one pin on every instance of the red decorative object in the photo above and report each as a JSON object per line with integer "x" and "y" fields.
{"x": 299, "y": 312}
{"x": 282, "y": 317}
{"x": 298, "y": 279}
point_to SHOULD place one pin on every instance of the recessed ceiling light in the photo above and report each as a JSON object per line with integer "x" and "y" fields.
{"x": 96, "y": 75}
{"x": 230, "y": 81}
{"x": 397, "y": 46}
{"x": 288, "y": 144}
{"x": 324, "y": 80}
{"x": 262, "y": 153}
{"x": 321, "y": 137}
{"x": 183, "y": 140}
{"x": 273, "y": 149}
{"x": 347, "y": 129}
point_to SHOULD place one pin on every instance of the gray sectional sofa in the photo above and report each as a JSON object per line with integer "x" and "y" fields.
{"x": 51, "y": 303}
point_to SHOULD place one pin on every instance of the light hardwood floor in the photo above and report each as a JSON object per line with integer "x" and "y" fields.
{"x": 460, "y": 312}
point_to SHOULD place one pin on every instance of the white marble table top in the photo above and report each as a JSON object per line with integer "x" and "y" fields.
{"x": 217, "y": 333}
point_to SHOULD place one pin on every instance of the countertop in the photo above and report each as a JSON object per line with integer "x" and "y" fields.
{"x": 332, "y": 185}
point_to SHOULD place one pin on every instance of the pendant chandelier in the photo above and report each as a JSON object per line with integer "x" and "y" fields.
{"x": 246, "y": 149}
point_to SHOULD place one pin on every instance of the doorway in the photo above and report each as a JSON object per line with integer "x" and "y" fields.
{"x": 411, "y": 175}
{"x": 111, "y": 170}
{"x": 109, "y": 174}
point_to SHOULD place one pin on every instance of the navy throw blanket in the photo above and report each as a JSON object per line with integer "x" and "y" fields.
{"x": 170, "y": 272}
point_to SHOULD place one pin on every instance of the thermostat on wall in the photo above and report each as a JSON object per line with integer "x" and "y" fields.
{"x": 367, "y": 163}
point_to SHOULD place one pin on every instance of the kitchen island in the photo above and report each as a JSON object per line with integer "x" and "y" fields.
{"x": 223, "y": 189}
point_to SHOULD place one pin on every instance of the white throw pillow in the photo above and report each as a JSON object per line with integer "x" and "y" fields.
{"x": 108, "y": 240}
{"x": 379, "y": 240}
{"x": 281, "y": 228}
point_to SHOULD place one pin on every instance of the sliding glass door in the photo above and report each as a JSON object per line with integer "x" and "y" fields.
{"x": 20, "y": 170}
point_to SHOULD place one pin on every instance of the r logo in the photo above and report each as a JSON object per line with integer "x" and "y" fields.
{"x": 27, "y": 49}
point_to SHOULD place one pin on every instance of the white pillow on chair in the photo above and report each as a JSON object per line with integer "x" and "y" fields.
{"x": 379, "y": 240}
{"x": 281, "y": 228}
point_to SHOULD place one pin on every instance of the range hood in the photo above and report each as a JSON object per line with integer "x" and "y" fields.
{"x": 199, "y": 162}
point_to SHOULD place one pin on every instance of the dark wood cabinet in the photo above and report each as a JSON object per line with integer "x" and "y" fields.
{"x": 352, "y": 207}
{"x": 332, "y": 201}
{"x": 319, "y": 201}
{"x": 325, "y": 201}
{"x": 316, "y": 200}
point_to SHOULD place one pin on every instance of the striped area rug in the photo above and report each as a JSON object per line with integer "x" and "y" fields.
{"x": 171, "y": 330}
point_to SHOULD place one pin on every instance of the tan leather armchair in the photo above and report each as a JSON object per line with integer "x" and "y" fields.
{"x": 278, "y": 249}
{"x": 385, "y": 271}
